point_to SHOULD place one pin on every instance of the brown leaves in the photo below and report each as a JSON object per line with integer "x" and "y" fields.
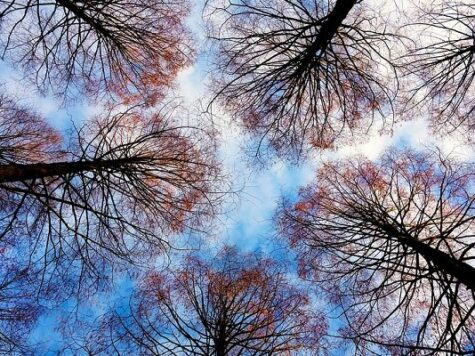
{"x": 227, "y": 304}
{"x": 379, "y": 238}
{"x": 129, "y": 179}
{"x": 24, "y": 136}
{"x": 132, "y": 48}
{"x": 300, "y": 73}
{"x": 440, "y": 65}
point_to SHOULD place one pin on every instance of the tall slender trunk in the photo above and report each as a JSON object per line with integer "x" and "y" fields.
{"x": 327, "y": 31}
{"x": 442, "y": 261}
{"x": 330, "y": 26}
{"x": 221, "y": 326}
{"x": 220, "y": 351}
{"x": 220, "y": 343}
{"x": 22, "y": 172}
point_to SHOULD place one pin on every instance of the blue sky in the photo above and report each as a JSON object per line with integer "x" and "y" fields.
{"x": 248, "y": 218}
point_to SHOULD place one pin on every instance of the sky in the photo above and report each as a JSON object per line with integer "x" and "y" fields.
{"x": 247, "y": 221}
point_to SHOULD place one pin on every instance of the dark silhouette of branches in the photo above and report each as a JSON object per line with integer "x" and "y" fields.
{"x": 393, "y": 245}
{"x": 233, "y": 304}
{"x": 19, "y": 308}
{"x": 301, "y": 73}
{"x": 443, "y": 59}
{"x": 24, "y": 137}
{"x": 126, "y": 182}
{"x": 117, "y": 45}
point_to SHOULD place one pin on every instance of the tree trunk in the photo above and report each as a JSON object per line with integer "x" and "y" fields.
{"x": 327, "y": 31}
{"x": 21, "y": 172}
{"x": 330, "y": 26}
{"x": 442, "y": 261}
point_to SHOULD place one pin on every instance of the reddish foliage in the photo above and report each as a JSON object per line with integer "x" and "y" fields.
{"x": 230, "y": 304}
{"x": 302, "y": 73}
{"x": 133, "y": 48}
{"x": 391, "y": 243}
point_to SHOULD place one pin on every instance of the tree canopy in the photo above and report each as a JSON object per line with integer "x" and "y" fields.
{"x": 124, "y": 226}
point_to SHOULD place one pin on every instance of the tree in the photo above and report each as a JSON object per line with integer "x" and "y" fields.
{"x": 24, "y": 136}
{"x": 19, "y": 307}
{"x": 392, "y": 244}
{"x": 233, "y": 304}
{"x": 126, "y": 181}
{"x": 301, "y": 72}
{"x": 118, "y": 45}
{"x": 442, "y": 57}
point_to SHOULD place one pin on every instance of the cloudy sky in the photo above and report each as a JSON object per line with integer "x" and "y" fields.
{"x": 247, "y": 219}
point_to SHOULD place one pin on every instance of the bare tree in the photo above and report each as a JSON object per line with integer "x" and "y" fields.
{"x": 118, "y": 45}
{"x": 126, "y": 182}
{"x": 24, "y": 136}
{"x": 442, "y": 57}
{"x": 233, "y": 304}
{"x": 393, "y": 245}
{"x": 301, "y": 73}
{"x": 19, "y": 307}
